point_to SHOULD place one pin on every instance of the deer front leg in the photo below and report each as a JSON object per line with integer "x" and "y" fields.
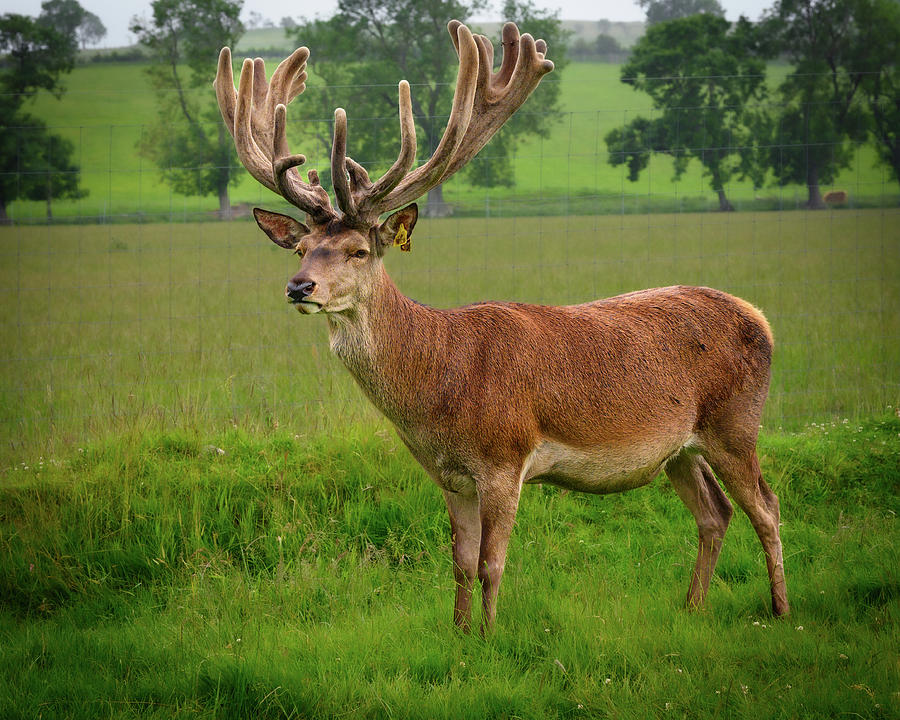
{"x": 497, "y": 508}
{"x": 465, "y": 538}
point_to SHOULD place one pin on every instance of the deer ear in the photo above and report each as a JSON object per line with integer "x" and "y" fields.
{"x": 282, "y": 230}
{"x": 397, "y": 229}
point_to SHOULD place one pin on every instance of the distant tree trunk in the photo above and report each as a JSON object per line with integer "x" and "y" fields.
{"x": 223, "y": 176}
{"x": 224, "y": 201}
{"x": 435, "y": 205}
{"x": 814, "y": 201}
{"x": 724, "y": 204}
{"x": 49, "y": 197}
{"x": 4, "y": 218}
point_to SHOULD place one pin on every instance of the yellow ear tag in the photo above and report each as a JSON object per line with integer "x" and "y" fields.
{"x": 401, "y": 239}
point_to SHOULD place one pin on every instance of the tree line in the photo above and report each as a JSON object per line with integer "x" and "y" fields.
{"x": 706, "y": 77}
{"x": 36, "y": 164}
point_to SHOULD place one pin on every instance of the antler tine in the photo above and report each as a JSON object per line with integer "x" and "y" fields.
{"x": 427, "y": 176}
{"x": 483, "y": 101}
{"x": 339, "y": 177}
{"x": 258, "y": 163}
{"x": 370, "y": 194}
{"x": 255, "y": 115}
{"x": 311, "y": 197}
{"x": 224, "y": 85}
{"x": 521, "y": 69}
{"x": 509, "y": 41}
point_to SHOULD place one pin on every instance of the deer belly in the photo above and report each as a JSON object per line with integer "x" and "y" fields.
{"x": 598, "y": 469}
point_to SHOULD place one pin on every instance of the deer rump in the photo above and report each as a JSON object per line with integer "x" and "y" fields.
{"x": 593, "y": 397}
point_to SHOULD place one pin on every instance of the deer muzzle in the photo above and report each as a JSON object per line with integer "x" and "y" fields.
{"x": 298, "y": 294}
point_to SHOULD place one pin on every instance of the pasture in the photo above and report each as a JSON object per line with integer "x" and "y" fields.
{"x": 200, "y": 516}
{"x": 123, "y": 328}
{"x": 297, "y": 576}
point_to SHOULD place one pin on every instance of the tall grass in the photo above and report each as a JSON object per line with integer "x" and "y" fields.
{"x": 296, "y": 577}
{"x": 120, "y": 328}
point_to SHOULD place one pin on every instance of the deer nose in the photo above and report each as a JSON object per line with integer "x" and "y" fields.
{"x": 298, "y": 291}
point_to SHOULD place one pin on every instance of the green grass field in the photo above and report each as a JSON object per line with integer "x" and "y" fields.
{"x": 201, "y": 516}
{"x": 295, "y": 577}
{"x": 106, "y": 328}
{"x": 108, "y": 106}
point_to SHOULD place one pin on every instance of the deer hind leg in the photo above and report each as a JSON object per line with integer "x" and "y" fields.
{"x": 740, "y": 473}
{"x": 698, "y": 489}
{"x": 465, "y": 538}
{"x": 497, "y": 509}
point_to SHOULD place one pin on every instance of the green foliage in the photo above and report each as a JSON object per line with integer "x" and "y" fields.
{"x": 706, "y": 86}
{"x": 662, "y": 10}
{"x": 65, "y": 17}
{"x": 187, "y": 142}
{"x": 833, "y": 49}
{"x": 91, "y": 30}
{"x": 34, "y": 56}
{"x": 154, "y": 576}
{"x": 34, "y": 163}
{"x": 72, "y": 21}
{"x": 38, "y": 164}
{"x": 882, "y": 87}
{"x": 603, "y": 48}
{"x": 607, "y": 45}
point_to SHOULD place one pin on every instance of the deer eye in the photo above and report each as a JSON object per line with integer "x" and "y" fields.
{"x": 299, "y": 252}
{"x": 360, "y": 254}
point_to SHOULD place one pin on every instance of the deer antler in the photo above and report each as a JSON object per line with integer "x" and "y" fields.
{"x": 255, "y": 115}
{"x": 482, "y": 102}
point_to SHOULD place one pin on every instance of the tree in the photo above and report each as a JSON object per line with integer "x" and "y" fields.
{"x": 188, "y": 142}
{"x": 604, "y": 47}
{"x": 91, "y": 30}
{"x": 704, "y": 78}
{"x": 64, "y": 16}
{"x": 881, "y": 86}
{"x": 72, "y": 21}
{"x": 607, "y": 45}
{"x": 45, "y": 169}
{"x": 658, "y": 11}
{"x": 394, "y": 39}
{"x": 35, "y": 164}
{"x": 883, "y": 94}
{"x": 34, "y": 57}
{"x": 837, "y": 56}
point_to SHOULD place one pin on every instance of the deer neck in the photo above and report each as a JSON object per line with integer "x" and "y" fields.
{"x": 391, "y": 345}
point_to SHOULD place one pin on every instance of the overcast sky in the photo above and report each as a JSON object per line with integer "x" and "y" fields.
{"x": 116, "y": 14}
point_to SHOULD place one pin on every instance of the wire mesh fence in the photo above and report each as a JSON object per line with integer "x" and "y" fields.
{"x": 131, "y": 306}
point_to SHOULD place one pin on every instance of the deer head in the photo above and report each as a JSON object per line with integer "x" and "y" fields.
{"x": 341, "y": 249}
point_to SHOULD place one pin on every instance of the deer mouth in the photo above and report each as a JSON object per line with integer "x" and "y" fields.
{"x": 307, "y": 307}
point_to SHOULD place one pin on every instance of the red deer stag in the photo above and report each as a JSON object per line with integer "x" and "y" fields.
{"x": 597, "y": 397}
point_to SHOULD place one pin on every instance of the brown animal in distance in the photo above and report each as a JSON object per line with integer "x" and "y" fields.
{"x": 596, "y": 397}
